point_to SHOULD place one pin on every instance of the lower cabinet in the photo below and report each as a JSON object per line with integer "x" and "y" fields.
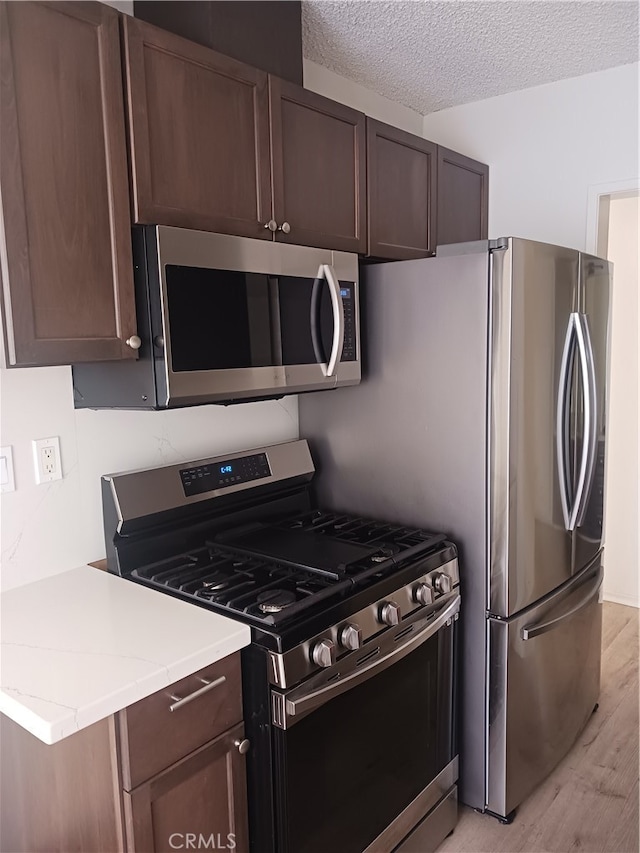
{"x": 168, "y": 773}
{"x": 198, "y": 802}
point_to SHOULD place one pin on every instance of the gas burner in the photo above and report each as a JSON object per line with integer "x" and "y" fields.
{"x": 386, "y": 551}
{"x": 215, "y": 586}
{"x": 275, "y": 600}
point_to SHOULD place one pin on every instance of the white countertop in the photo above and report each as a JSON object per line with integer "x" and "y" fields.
{"x": 79, "y": 646}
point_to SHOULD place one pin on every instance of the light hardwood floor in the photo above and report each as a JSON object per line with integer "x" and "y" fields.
{"x": 590, "y": 802}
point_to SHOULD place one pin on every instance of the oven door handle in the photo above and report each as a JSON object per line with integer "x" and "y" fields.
{"x": 288, "y": 709}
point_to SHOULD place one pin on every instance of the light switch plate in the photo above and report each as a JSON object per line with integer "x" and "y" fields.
{"x": 7, "y": 480}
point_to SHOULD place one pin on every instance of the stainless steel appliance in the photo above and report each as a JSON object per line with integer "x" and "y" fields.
{"x": 226, "y": 319}
{"x": 348, "y": 684}
{"x": 483, "y": 413}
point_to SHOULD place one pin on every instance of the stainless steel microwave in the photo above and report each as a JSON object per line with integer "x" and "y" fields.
{"x": 229, "y": 319}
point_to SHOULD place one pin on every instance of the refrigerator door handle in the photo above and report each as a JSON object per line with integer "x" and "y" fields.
{"x": 531, "y": 631}
{"x": 590, "y": 438}
{"x": 587, "y": 374}
{"x": 562, "y": 422}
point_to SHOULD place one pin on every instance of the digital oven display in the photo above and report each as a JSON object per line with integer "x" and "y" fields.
{"x": 208, "y": 478}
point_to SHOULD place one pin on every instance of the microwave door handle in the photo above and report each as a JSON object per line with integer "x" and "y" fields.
{"x": 314, "y": 319}
{"x": 338, "y": 319}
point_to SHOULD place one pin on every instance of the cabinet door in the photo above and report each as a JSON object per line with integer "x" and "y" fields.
{"x": 401, "y": 193}
{"x": 318, "y": 165}
{"x": 463, "y": 198}
{"x": 203, "y": 797}
{"x": 66, "y": 256}
{"x": 199, "y": 135}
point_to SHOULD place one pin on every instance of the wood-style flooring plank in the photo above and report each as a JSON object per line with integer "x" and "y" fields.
{"x": 590, "y": 801}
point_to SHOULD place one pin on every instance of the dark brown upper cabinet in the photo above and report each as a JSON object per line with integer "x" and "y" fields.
{"x": 319, "y": 170}
{"x": 401, "y": 193}
{"x": 66, "y": 262}
{"x": 199, "y": 135}
{"x": 463, "y": 198}
{"x": 217, "y": 145}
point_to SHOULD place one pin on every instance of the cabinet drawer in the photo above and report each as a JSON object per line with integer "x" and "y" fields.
{"x": 153, "y": 736}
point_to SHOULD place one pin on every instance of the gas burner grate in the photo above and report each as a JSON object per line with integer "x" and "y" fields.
{"x": 394, "y": 542}
{"x": 221, "y": 577}
{"x": 237, "y": 582}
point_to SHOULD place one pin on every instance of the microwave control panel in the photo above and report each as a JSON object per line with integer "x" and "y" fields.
{"x": 208, "y": 478}
{"x": 349, "y": 309}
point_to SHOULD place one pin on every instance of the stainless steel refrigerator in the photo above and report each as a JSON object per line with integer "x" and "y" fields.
{"x": 482, "y": 413}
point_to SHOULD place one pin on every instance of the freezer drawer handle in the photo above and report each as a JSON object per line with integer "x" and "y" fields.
{"x": 531, "y": 631}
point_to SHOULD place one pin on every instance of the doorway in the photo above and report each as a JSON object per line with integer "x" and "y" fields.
{"x": 617, "y": 240}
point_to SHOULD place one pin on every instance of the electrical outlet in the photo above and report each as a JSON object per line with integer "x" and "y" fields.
{"x": 46, "y": 459}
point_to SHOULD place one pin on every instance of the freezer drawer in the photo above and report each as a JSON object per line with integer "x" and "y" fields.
{"x": 544, "y": 681}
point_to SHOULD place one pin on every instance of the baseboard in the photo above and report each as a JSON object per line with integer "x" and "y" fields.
{"x": 629, "y": 600}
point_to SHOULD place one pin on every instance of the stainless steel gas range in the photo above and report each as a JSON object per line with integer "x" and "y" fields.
{"x": 348, "y": 684}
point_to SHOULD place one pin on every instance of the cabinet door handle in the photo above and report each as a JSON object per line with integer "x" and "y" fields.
{"x": 285, "y": 228}
{"x": 208, "y": 685}
{"x": 272, "y": 225}
{"x": 242, "y": 745}
{"x": 134, "y": 342}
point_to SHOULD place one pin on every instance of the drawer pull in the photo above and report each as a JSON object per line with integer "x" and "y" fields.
{"x": 208, "y": 685}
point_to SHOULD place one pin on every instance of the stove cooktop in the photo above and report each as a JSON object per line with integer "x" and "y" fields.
{"x": 268, "y": 574}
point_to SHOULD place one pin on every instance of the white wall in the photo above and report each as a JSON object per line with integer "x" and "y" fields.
{"x": 545, "y": 146}
{"x": 621, "y": 582}
{"x": 332, "y": 85}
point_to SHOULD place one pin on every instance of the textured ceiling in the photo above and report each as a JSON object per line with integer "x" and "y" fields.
{"x": 429, "y": 55}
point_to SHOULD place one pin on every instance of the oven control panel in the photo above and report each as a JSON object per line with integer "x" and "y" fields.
{"x": 218, "y": 475}
{"x": 349, "y": 310}
{"x": 331, "y": 645}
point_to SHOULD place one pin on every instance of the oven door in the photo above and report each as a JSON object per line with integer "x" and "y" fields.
{"x": 363, "y": 751}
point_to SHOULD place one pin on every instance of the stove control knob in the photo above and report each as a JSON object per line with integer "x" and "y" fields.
{"x": 324, "y": 653}
{"x": 351, "y": 637}
{"x": 423, "y": 594}
{"x": 442, "y": 582}
{"x": 390, "y": 613}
